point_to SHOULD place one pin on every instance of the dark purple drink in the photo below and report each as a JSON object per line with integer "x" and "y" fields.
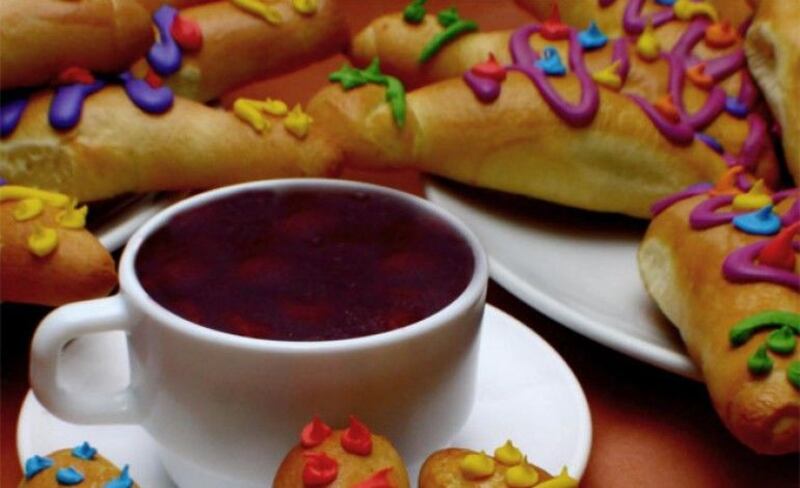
{"x": 305, "y": 264}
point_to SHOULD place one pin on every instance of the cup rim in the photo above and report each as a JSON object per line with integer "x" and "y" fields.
{"x": 132, "y": 289}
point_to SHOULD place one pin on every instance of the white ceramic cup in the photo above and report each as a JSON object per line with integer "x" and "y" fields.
{"x": 225, "y": 409}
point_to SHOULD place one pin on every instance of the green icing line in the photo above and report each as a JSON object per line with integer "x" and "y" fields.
{"x": 782, "y": 341}
{"x": 350, "y": 77}
{"x": 793, "y": 374}
{"x": 760, "y": 363}
{"x": 744, "y": 330}
{"x": 414, "y": 12}
{"x": 454, "y": 27}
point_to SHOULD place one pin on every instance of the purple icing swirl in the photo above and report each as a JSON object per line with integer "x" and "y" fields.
{"x": 66, "y": 105}
{"x": 740, "y": 267}
{"x": 634, "y": 23}
{"x": 665, "y": 203}
{"x": 705, "y": 214}
{"x": 149, "y": 99}
{"x": 165, "y": 55}
{"x": 12, "y": 107}
{"x": 486, "y": 89}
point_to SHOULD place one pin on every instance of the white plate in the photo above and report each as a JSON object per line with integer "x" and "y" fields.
{"x": 525, "y": 392}
{"x": 578, "y": 268}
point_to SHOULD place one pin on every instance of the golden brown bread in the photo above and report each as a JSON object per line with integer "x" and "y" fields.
{"x": 117, "y": 148}
{"x": 96, "y": 471}
{"x": 79, "y": 268}
{"x": 40, "y": 38}
{"x": 239, "y": 47}
{"x": 682, "y": 270}
{"x": 773, "y": 55}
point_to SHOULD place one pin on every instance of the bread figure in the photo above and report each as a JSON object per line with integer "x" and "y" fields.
{"x": 721, "y": 263}
{"x": 82, "y": 467}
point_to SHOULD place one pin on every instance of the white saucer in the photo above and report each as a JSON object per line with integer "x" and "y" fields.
{"x": 526, "y": 392}
{"x": 578, "y": 268}
{"x": 116, "y": 229}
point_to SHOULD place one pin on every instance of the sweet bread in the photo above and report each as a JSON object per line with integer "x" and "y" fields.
{"x": 773, "y": 55}
{"x": 42, "y": 38}
{"x": 722, "y": 266}
{"x": 96, "y": 142}
{"x": 559, "y": 113}
{"x": 349, "y": 458}
{"x": 80, "y": 466}
{"x": 235, "y": 45}
{"x": 507, "y": 468}
{"x": 47, "y": 257}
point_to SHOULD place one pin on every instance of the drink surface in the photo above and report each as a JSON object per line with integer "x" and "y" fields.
{"x": 305, "y": 265}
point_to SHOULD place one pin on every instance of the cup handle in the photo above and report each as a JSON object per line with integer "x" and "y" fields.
{"x": 56, "y": 330}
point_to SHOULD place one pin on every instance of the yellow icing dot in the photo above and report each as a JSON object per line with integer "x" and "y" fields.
{"x": 508, "y": 454}
{"x": 42, "y": 241}
{"x": 14, "y": 192}
{"x": 249, "y": 111}
{"x": 27, "y": 209}
{"x": 608, "y": 76}
{"x": 647, "y": 46}
{"x": 688, "y": 9}
{"x": 307, "y": 7}
{"x": 563, "y": 480}
{"x": 257, "y": 7}
{"x": 72, "y": 217}
{"x": 274, "y": 107}
{"x": 754, "y": 199}
{"x": 522, "y": 476}
{"x": 476, "y": 466}
{"x": 297, "y": 122}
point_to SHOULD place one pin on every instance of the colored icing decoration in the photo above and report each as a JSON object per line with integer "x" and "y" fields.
{"x": 357, "y": 439}
{"x": 552, "y": 28}
{"x": 609, "y": 76}
{"x": 711, "y": 142}
{"x": 793, "y": 214}
{"x": 350, "y": 77}
{"x": 522, "y": 476}
{"x": 67, "y": 104}
{"x": 319, "y": 469}
{"x": 152, "y": 79}
{"x": 793, "y": 374}
{"x": 35, "y": 465}
{"x": 697, "y": 75}
{"x": 454, "y": 27}
{"x": 721, "y": 35}
{"x": 666, "y": 3}
{"x": 15, "y": 192}
{"x": 634, "y": 22}
{"x": 475, "y": 466}
{"x": 648, "y": 46}
{"x": 779, "y": 252}
{"x": 689, "y": 9}
{"x": 11, "y": 110}
{"x": 27, "y": 208}
{"x": 666, "y": 107}
{"x": 414, "y": 12}
{"x": 762, "y": 222}
{"x": 267, "y": 12}
{"x": 755, "y": 198}
{"x": 665, "y": 203}
{"x": 736, "y": 108}
{"x": 274, "y": 107}
{"x": 592, "y": 37}
{"x": 165, "y": 55}
{"x": 551, "y": 62}
{"x": 490, "y": 69}
{"x": 249, "y": 111}
{"x": 297, "y": 122}
{"x": 42, "y": 241}
{"x": 72, "y": 217}
{"x": 314, "y": 433}
{"x": 782, "y": 341}
{"x": 75, "y": 74}
{"x": 485, "y": 89}
{"x": 563, "y": 480}
{"x": 122, "y": 481}
{"x": 740, "y": 267}
{"x": 305, "y": 7}
{"x": 380, "y": 479}
{"x": 69, "y": 476}
{"x": 760, "y": 363}
{"x": 746, "y": 328}
{"x": 508, "y": 454}
{"x": 154, "y": 100}
{"x": 84, "y": 451}
{"x": 726, "y": 184}
{"x": 187, "y": 33}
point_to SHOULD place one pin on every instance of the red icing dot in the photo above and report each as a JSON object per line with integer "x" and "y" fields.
{"x": 720, "y": 35}
{"x": 74, "y": 74}
{"x": 357, "y": 439}
{"x": 490, "y": 69}
{"x": 779, "y": 252}
{"x": 153, "y": 79}
{"x": 186, "y": 33}
{"x": 314, "y": 433}
{"x": 319, "y": 469}
{"x": 552, "y": 28}
{"x": 380, "y": 479}
{"x": 697, "y": 74}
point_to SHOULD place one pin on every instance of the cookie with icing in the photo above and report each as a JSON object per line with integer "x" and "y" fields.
{"x": 80, "y": 466}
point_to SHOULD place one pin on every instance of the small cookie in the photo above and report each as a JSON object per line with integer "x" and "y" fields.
{"x": 81, "y": 467}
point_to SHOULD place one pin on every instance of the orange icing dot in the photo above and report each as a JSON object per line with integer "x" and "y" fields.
{"x": 319, "y": 469}
{"x": 726, "y": 185}
{"x": 697, "y": 75}
{"x": 666, "y": 107}
{"x": 720, "y": 35}
{"x": 779, "y": 252}
{"x": 314, "y": 433}
{"x": 357, "y": 439}
{"x": 380, "y": 479}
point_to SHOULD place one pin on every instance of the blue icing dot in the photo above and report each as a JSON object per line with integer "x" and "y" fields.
{"x": 69, "y": 476}
{"x": 668, "y": 3}
{"x": 84, "y": 451}
{"x": 66, "y": 105}
{"x": 551, "y": 62}
{"x": 123, "y": 481}
{"x": 762, "y": 222}
{"x": 36, "y": 464}
{"x": 710, "y": 142}
{"x": 592, "y": 37}
{"x": 736, "y": 108}
{"x": 165, "y": 56}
